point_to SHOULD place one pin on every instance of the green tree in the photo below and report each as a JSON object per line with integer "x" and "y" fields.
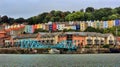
{"x": 113, "y": 17}
{"x": 118, "y": 10}
{"x": 4, "y": 19}
{"x": 89, "y": 9}
{"x": 90, "y": 29}
{"x": 20, "y": 20}
{"x": 88, "y": 16}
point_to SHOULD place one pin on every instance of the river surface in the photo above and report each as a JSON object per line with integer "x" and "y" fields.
{"x": 59, "y": 60}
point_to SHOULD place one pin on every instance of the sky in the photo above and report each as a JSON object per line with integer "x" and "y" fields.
{"x": 29, "y": 8}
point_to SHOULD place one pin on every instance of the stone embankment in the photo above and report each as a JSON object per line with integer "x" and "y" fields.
{"x": 45, "y": 51}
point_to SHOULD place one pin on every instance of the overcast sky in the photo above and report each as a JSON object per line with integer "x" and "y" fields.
{"x": 28, "y": 8}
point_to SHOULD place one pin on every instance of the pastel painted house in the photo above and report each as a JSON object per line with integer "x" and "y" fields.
{"x": 83, "y": 26}
{"x": 116, "y": 22}
{"x": 90, "y": 23}
{"x": 105, "y": 24}
{"x": 29, "y": 29}
{"x": 60, "y": 26}
{"x": 110, "y": 23}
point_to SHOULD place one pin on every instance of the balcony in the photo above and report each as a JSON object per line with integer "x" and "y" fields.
{"x": 89, "y": 41}
{"x": 111, "y": 42}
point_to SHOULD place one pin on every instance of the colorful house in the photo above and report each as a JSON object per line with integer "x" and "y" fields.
{"x": 97, "y": 24}
{"x": 77, "y": 26}
{"x": 90, "y": 23}
{"x": 101, "y": 25}
{"x": 117, "y": 22}
{"x": 54, "y": 27}
{"x": 29, "y": 28}
{"x": 83, "y": 26}
{"x": 105, "y": 24}
{"x": 60, "y": 26}
{"x": 94, "y": 24}
{"x": 110, "y": 23}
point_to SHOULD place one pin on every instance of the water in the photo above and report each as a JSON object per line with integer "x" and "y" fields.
{"x": 60, "y": 60}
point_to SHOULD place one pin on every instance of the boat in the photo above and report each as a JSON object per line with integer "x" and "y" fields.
{"x": 54, "y": 51}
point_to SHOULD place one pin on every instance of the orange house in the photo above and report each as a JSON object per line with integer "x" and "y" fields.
{"x": 79, "y": 39}
{"x": 3, "y": 36}
{"x": 62, "y": 38}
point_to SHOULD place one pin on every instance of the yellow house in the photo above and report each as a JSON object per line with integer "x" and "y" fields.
{"x": 95, "y": 24}
{"x": 83, "y": 26}
{"x": 94, "y": 38}
{"x": 110, "y": 23}
{"x": 67, "y": 27}
{"x": 39, "y": 26}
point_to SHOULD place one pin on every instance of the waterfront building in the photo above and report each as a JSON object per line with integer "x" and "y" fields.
{"x": 118, "y": 40}
{"x": 77, "y": 38}
{"x": 3, "y": 36}
{"x": 15, "y": 39}
{"x": 109, "y": 39}
{"x": 48, "y": 38}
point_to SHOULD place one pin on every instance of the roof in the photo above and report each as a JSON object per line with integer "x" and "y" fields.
{"x": 1, "y": 32}
{"x": 47, "y": 35}
{"x": 25, "y": 36}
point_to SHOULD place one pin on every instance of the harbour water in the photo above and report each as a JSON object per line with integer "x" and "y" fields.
{"x": 60, "y": 60}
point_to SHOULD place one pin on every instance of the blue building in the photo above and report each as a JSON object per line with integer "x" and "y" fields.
{"x": 78, "y": 27}
{"x": 105, "y": 24}
{"x": 117, "y": 23}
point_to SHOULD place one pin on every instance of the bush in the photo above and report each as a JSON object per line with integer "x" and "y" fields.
{"x": 87, "y": 46}
{"x": 106, "y": 46}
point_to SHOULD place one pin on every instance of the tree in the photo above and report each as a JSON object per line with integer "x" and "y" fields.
{"x": 4, "y": 19}
{"x": 89, "y": 9}
{"x": 77, "y": 16}
{"x": 90, "y": 29}
{"x": 11, "y": 20}
{"x": 113, "y": 17}
{"x": 81, "y": 10}
{"x": 20, "y": 20}
{"x": 88, "y": 16}
{"x": 118, "y": 10}
{"x": 103, "y": 12}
